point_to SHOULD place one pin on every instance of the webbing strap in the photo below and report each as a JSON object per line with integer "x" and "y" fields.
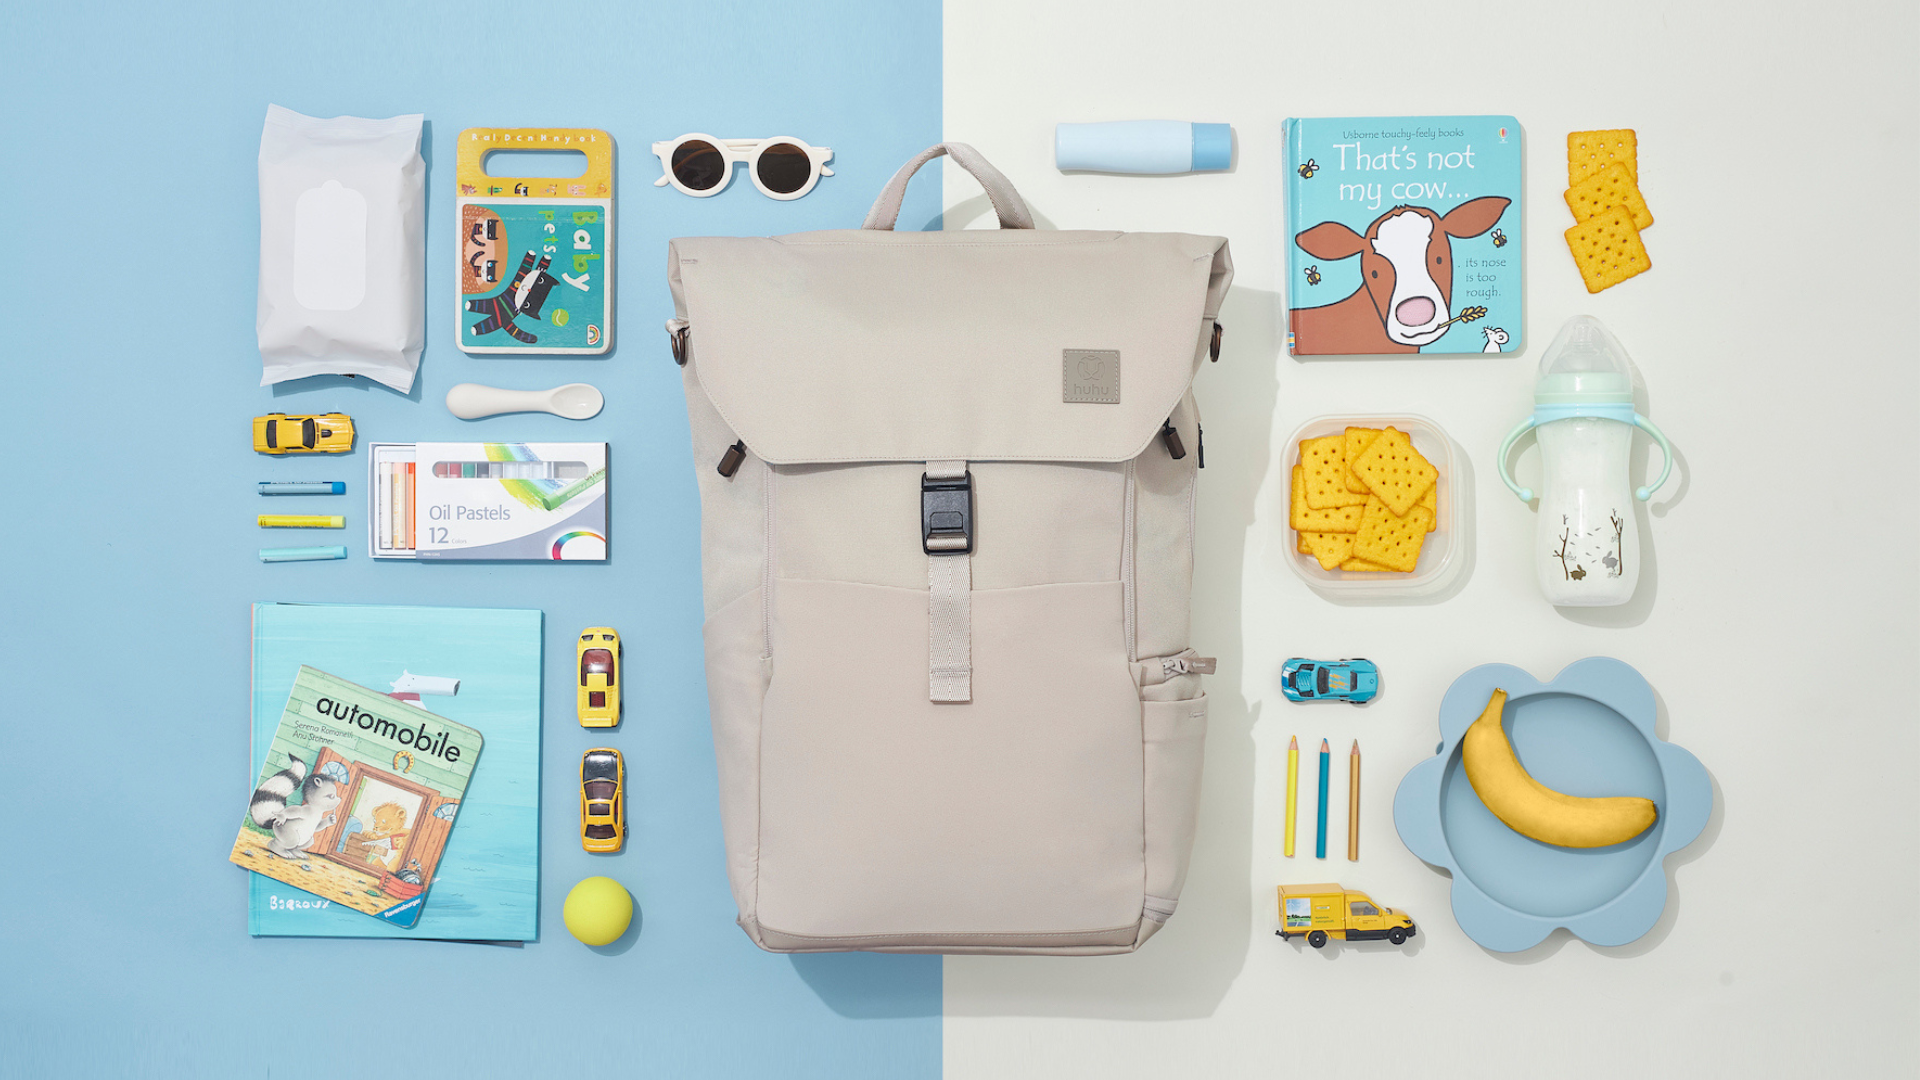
{"x": 949, "y": 612}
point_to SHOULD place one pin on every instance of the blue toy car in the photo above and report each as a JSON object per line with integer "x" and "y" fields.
{"x": 1340, "y": 680}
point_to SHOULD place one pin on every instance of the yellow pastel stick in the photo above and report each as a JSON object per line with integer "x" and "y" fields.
{"x": 1293, "y": 788}
{"x": 302, "y": 521}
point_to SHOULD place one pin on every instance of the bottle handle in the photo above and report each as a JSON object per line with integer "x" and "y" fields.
{"x": 1666, "y": 451}
{"x": 1526, "y": 494}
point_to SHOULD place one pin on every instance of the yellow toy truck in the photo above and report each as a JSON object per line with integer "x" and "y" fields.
{"x": 1324, "y": 911}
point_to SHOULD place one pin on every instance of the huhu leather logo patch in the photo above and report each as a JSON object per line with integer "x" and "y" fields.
{"x": 1091, "y": 376}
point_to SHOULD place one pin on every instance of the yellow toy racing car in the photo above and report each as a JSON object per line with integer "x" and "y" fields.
{"x": 327, "y": 433}
{"x": 598, "y": 692}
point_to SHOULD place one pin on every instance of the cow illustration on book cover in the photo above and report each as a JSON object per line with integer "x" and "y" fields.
{"x": 1406, "y": 279}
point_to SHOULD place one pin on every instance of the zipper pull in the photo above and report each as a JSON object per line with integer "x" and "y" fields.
{"x": 1184, "y": 665}
{"x": 1175, "y": 448}
{"x": 1200, "y": 436}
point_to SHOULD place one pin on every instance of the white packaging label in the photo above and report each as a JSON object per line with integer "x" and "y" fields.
{"x": 330, "y": 248}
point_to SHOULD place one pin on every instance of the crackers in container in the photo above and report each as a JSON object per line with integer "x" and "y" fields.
{"x": 1382, "y": 526}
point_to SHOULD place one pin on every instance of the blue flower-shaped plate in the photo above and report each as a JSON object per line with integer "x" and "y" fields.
{"x": 1588, "y": 732}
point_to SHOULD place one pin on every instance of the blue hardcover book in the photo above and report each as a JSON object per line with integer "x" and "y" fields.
{"x": 478, "y": 667}
{"x": 1403, "y": 235}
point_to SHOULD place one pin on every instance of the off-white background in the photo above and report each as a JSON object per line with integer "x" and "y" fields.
{"x": 1778, "y": 604}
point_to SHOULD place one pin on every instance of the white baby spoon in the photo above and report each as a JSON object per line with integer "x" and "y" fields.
{"x": 575, "y": 401}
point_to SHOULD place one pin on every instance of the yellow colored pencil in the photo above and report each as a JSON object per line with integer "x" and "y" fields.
{"x": 1293, "y": 788}
{"x": 1353, "y": 803}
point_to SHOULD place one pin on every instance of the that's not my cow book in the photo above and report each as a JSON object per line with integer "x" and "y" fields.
{"x": 1403, "y": 235}
{"x": 357, "y": 797}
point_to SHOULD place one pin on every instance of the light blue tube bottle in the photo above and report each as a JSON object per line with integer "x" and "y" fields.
{"x": 1143, "y": 146}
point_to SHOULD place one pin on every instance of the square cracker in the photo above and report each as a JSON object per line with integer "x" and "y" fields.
{"x": 1431, "y": 500}
{"x": 1326, "y": 464}
{"x": 1358, "y": 439}
{"x": 1590, "y": 151}
{"x": 1304, "y": 518}
{"x": 1362, "y": 564}
{"x": 1390, "y": 540}
{"x": 1330, "y": 548}
{"x": 1610, "y": 187}
{"x": 1607, "y": 249}
{"x": 1395, "y": 471}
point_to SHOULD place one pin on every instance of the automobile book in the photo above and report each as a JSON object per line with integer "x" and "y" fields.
{"x": 1403, "y": 235}
{"x": 357, "y": 796}
{"x": 477, "y": 668}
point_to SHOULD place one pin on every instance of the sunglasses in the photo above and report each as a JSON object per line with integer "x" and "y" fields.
{"x": 781, "y": 167}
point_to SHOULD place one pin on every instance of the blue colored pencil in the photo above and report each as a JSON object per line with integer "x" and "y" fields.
{"x": 1320, "y": 828}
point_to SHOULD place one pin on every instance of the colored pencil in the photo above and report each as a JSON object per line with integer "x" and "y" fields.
{"x": 1353, "y": 803}
{"x": 1320, "y": 828}
{"x": 1293, "y": 788}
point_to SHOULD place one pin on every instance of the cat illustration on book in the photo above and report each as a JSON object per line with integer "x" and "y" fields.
{"x": 526, "y": 294}
{"x": 293, "y": 826}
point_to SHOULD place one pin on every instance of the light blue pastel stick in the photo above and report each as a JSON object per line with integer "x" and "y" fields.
{"x": 1320, "y": 828}
{"x": 302, "y": 554}
{"x": 303, "y": 487}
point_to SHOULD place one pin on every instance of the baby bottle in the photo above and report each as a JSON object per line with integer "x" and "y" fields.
{"x": 1586, "y": 552}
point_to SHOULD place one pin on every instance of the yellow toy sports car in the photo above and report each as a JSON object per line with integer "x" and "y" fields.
{"x": 327, "y": 433}
{"x": 603, "y": 799}
{"x": 599, "y": 691}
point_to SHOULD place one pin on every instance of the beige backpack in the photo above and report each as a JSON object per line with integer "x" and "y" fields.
{"x": 947, "y": 485}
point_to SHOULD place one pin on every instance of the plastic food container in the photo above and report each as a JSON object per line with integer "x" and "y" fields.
{"x": 1444, "y": 552}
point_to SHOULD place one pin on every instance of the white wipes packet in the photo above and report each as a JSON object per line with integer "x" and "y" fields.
{"x": 342, "y": 248}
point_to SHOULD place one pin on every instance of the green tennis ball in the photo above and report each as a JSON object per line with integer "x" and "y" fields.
{"x": 598, "y": 911}
{"x": 560, "y": 317}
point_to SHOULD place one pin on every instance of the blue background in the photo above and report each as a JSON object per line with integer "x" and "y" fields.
{"x": 129, "y": 225}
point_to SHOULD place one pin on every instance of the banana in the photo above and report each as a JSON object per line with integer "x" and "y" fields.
{"x": 1533, "y": 809}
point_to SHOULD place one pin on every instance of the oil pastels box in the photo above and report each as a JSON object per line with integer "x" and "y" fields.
{"x": 508, "y": 501}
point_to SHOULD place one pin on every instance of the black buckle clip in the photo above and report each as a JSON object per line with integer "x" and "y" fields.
{"x": 1213, "y": 346}
{"x": 946, "y": 515}
{"x": 677, "y": 339}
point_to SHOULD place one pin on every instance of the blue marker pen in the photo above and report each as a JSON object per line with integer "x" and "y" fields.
{"x": 301, "y": 554}
{"x": 303, "y": 487}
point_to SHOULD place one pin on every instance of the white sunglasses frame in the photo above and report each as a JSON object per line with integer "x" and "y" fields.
{"x": 736, "y": 151}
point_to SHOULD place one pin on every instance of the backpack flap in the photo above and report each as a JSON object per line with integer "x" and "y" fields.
{"x": 1009, "y": 345}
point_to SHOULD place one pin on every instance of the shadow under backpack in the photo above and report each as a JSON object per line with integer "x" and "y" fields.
{"x": 947, "y": 486}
